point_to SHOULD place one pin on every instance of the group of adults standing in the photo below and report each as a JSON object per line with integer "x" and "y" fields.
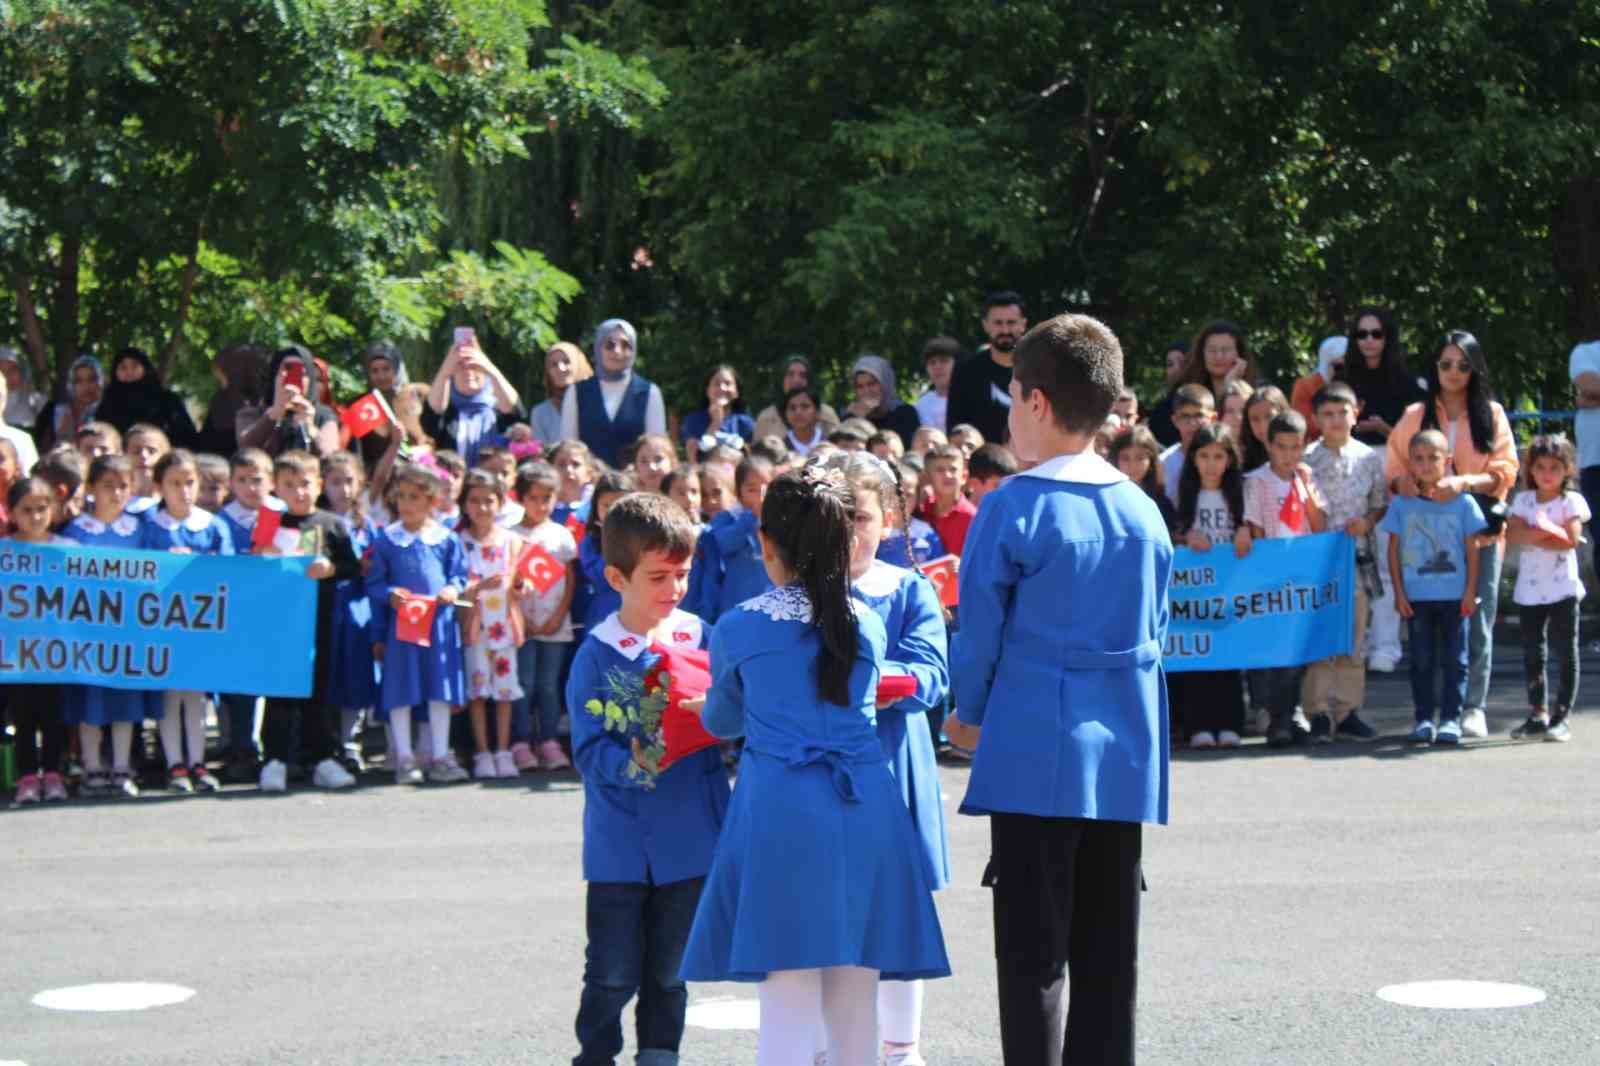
{"x": 1454, "y": 395}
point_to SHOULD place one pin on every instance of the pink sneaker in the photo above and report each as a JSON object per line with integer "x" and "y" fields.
{"x": 523, "y": 757}
{"x": 55, "y": 789}
{"x": 28, "y": 789}
{"x": 551, "y": 757}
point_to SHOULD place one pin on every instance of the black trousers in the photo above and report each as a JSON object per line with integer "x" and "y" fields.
{"x": 318, "y": 735}
{"x": 35, "y": 713}
{"x": 1552, "y": 625}
{"x": 1066, "y": 904}
{"x": 1208, "y": 700}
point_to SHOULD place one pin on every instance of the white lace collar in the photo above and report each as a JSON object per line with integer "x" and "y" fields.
{"x": 124, "y": 524}
{"x": 430, "y": 534}
{"x": 788, "y": 603}
{"x": 881, "y": 579}
{"x": 1084, "y": 467}
{"x": 140, "y": 504}
{"x": 246, "y": 516}
{"x": 682, "y": 629}
{"x": 198, "y": 521}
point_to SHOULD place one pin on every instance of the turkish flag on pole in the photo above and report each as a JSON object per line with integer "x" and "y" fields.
{"x": 266, "y": 528}
{"x": 541, "y": 569}
{"x": 943, "y": 573}
{"x": 577, "y": 527}
{"x": 367, "y": 414}
{"x": 1292, "y": 515}
{"x": 414, "y": 620}
{"x": 689, "y": 676}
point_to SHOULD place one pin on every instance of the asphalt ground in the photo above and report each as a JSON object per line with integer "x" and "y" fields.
{"x": 445, "y": 925}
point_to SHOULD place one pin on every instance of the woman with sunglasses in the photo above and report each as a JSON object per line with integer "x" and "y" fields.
{"x": 1483, "y": 461}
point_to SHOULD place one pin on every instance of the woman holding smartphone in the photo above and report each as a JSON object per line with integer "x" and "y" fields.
{"x": 470, "y": 402}
{"x": 294, "y": 420}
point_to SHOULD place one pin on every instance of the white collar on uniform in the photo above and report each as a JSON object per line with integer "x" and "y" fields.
{"x": 682, "y": 628}
{"x": 1084, "y": 467}
{"x": 431, "y": 533}
{"x": 123, "y": 524}
{"x": 198, "y": 521}
{"x": 246, "y": 517}
{"x": 881, "y": 579}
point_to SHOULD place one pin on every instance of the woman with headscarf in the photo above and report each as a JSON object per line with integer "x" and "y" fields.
{"x": 293, "y": 421}
{"x": 796, "y": 374}
{"x": 23, "y": 401}
{"x": 878, "y": 403}
{"x": 240, "y": 370}
{"x": 565, "y": 365}
{"x": 61, "y": 419}
{"x": 615, "y": 407}
{"x": 386, "y": 375}
{"x": 470, "y": 403}
{"x": 135, "y": 394}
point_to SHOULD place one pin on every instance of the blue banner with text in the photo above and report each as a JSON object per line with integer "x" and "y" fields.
{"x": 1288, "y": 602}
{"x": 153, "y": 620}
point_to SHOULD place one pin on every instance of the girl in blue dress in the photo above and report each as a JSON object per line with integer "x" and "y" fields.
{"x": 353, "y": 684}
{"x": 416, "y": 554}
{"x": 595, "y": 600}
{"x": 727, "y": 561}
{"x": 819, "y": 885}
{"x": 94, "y": 707}
{"x": 913, "y": 621}
{"x": 179, "y": 526}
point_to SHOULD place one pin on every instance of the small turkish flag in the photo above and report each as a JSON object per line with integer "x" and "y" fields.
{"x": 266, "y": 528}
{"x": 942, "y": 572}
{"x": 1292, "y": 515}
{"x": 577, "y": 527}
{"x": 541, "y": 569}
{"x": 413, "y": 622}
{"x": 367, "y": 414}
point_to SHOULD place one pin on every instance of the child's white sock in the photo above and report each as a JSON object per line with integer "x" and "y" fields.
{"x": 439, "y": 726}
{"x": 194, "y": 722}
{"x": 349, "y": 723}
{"x": 89, "y": 741}
{"x": 400, "y": 735}
{"x": 121, "y": 745}
{"x": 900, "y": 1011}
{"x": 171, "y": 728}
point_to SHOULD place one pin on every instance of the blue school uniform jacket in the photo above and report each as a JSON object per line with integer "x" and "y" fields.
{"x": 634, "y": 833}
{"x": 241, "y": 520}
{"x": 1063, "y": 617}
{"x": 727, "y": 565}
{"x": 202, "y": 532}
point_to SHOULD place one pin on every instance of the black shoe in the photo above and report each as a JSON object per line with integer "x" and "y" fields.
{"x": 241, "y": 769}
{"x": 1534, "y": 728}
{"x": 1280, "y": 736}
{"x": 1321, "y": 729}
{"x": 1353, "y": 728}
{"x": 1559, "y": 731}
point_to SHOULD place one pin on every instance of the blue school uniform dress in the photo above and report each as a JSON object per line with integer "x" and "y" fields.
{"x": 353, "y": 683}
{"x": 818, "y": 864}
{"x": 94, "y": 704}
{"x": 1063, "y": 617}
{"x": 594, "y": 600}
{"x": 423, "y": 562}
{"x": 203, "y": 533}
{"x": 635, "y": 832}
{"x": 917, "y": 544}
{"x": 241, "y": 520}
{"x": 914, "y": 623}
{"x": 727, "y": 565}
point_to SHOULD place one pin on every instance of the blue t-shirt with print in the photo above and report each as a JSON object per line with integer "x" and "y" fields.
{"x": 1433, "y": 544}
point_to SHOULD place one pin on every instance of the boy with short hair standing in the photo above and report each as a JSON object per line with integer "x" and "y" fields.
{"x": 1350, "y": 475}
{"x": 1069, "y": 694}
{"x": 1192, "y": 407}
{"x": 950, "y": 513}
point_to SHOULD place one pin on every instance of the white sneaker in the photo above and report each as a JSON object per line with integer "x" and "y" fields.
{"x": 329, "y": 773}
{"x": 1381, "y": 664}
{"x": 904, "y": 1057}
{"x": 1475, "y": 723}
{"x": 483, "y": 767}
{"x": 407, "y": 773}
{"x": 1203, "y": 739}
{"x": 447, "y": 771}
{"x": 275, "y": 777}
{"x": 1227, "y": 739}
{"x": 505, "y": 765}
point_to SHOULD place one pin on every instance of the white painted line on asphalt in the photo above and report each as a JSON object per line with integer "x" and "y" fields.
{"x": 725, "y": 1014}
{"x": 1461, "y": 995}
{"x": 12, "y": 1062}
{"x": 112, "y": 996}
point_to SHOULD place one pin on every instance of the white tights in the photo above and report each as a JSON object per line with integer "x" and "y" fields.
{"x": 845, "y": 997}
{"x": 900, "y": 1011}
{"x": 184, "y": 716}
{"x": 438, "y": 728}
{"x": 121, "y": 745}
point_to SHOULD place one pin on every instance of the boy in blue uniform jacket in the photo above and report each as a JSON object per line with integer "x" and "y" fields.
{"x": 1058, "y": 663}
{"x": 648, "y": 838}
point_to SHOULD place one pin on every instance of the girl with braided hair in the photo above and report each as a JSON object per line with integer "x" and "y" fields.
{"x": 817, "y": 826}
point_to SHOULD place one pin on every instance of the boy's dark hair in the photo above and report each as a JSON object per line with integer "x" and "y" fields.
{"x": 451, "y": 461}
{"x": 110, "y": 464}
{"x": 1430, "y": 437}
{"x": 878, "y": 438}
{"x": 1193, "y": 396}
{"x": 964, "y": 427}
{"x": 145, "y": 429}
{"x": 754, "y": 464}
{"x": 212, "y": 465}
{"x": 945, "y": 451}
{"x": 941, "y": 348}
{"x": 1004, "y": 298}
{"x": 645, "y": 522}
{"x": 576, "y": 446}
{"x": 249, "y": 457}
{"x": 490, "y": 451}
{"x": 991, "y": 460}
{"x": 1550, "y": 446}
{"x": 1076, "y": 362}
{"x": 847, "y": 435}
{"x": 723, "y": 453}
{"x": 607, "y": 484}
{"x": 298, "y": 462}
{"x": 677, "y": 474}
{"x": 63, "y": 468}
{"x": 98, "y": 428}
{"x": 1336, "y": 392}
{"x": 1286, "y": 422}
{"x": 772, "y": 449}
{"x": 536, "y": 472}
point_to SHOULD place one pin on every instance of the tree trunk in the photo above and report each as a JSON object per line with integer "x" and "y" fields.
{"x": 191, "y": 272}
{"x": 1576, "y": 249}
{"x": 64, "y": 326}
{"x": 32, "y": 332}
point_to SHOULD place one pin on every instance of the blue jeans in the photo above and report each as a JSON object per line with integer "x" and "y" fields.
{"x": 1480, "y": 632}
{"x": 241, "y": 713}
{"x": 637, "y": 934}
{"x": 539, "y": 672}
{"x": 1438, "y": 640}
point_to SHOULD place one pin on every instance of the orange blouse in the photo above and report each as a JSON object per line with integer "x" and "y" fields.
{"x": 1501, "y": 461}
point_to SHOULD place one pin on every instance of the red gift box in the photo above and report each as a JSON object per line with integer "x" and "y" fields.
{"x": 367, "y": 414}
{"x": 943, "y": 573}
{"x": 688, "y": 676}
{"x": 540, "y": 569}
{"x": 896, "y": 687}
{"x": 414, "y": 620}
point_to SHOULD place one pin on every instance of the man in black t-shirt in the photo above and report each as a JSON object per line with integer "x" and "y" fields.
{"x": 980, "y": 388}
